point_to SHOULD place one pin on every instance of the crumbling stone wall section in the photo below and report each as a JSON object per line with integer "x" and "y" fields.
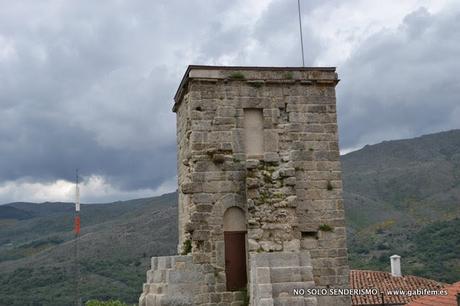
{"x": 272, "y": 201}
{"x": 183, "y": 171}
{"x": 213, "y": 171}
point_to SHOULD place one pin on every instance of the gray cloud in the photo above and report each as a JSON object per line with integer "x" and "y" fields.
{"x": 89, "y": 84}
{"x": 85, "y": 87}
{"x": 404, "y": 82}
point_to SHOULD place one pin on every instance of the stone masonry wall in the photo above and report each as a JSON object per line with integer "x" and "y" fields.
{"x": 292, "y": 194}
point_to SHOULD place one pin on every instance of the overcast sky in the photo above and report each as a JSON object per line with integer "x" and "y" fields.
{"x": 89, "y": 84}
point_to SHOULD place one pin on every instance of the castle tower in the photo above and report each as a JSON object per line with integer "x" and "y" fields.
{"x": 260, "y": 191}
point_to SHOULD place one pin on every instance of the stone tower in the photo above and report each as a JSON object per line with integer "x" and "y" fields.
{"x": 260, "y": 192}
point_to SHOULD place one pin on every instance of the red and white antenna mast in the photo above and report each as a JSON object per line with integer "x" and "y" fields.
{"x": 77, "y": 235}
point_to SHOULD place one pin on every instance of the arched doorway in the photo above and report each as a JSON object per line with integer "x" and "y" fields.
{"x": 235, "y": 248}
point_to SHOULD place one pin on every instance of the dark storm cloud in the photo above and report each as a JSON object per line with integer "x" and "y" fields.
{"x": 89, "y": 84}
{"x": 404, "y": 82}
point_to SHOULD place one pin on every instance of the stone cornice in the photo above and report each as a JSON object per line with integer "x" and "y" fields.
{"x": 256, "y": 75}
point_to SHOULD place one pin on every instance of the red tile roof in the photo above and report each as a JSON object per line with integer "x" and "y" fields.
{"x": 384, "y": 282}
{"x": 441, "y": 300}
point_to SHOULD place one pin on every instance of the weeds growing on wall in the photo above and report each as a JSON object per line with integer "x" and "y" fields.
{"x": 325, "y": 228}
{"x": 237, "y": 76}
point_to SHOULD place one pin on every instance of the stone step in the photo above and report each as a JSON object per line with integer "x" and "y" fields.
{"x": 266, "y": 302}
{"x": 171, "y": 262}
{"x": 157, "y": 288}
{"x": 163, "y": 262}
{"x": 173, "y": 276}
{"x": 151, "y": 299}
{"x": 187, "y": 259}
{"x": 167, "y": 262}
{"x": 172, "y": 281}
{"x": 173, "y": 300}
{"x": 279, "y": 259}
{"x": 295, "y": 301}
{"x": 289, "y": 301}
{"x": 281, "y": 289}
{"x": 156, "y": 276}
{"x": 264, "y": 291}
{"x": 278, "y": 274}
{"x": 282, "y": 259}
{"x": 179, "y": 277}
{"x": 291, "y": 274}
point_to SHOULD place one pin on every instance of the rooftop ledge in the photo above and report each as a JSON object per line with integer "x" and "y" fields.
{"x": 304, "y": 75}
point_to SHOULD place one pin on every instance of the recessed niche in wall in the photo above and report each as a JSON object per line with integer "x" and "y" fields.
{"x": 310, "y": 234}
{"x": 254, "y": 131}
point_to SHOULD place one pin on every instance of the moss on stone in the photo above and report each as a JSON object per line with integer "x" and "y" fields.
{"x": 237, "y": 75}
{"x": 325, "y": 228}
{"x": 289, "y": 75}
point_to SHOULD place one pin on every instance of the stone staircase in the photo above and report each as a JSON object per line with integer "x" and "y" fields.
{"x": 172, "y": 280}
{"x": 177, "y": 281}
{"x": 276, "y": 275}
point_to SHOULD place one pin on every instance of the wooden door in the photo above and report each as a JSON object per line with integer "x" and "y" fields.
{"x": 235, "y": 260}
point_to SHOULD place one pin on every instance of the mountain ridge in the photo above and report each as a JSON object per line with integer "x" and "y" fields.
{"x": 399, "y": 198}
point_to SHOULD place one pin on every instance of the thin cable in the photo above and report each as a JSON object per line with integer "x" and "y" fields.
{"x": 301, "y": 34}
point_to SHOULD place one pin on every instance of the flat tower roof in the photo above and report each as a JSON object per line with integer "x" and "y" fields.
{"x": 214, "y": 74}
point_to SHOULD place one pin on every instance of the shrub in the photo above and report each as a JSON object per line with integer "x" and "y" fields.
{"x": 325, "y": 228}
{"x": 187, "y": 247}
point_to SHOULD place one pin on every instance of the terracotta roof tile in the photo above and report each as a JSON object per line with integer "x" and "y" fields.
{"x": 384, "y": 282}
{"x": 441, "y": 300}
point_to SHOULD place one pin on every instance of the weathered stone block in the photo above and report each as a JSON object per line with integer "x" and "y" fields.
{"x": 263, "y": 275}
{"x": 226, "y": 111}
{"x": 309, "y": 243}
{"x": 187, "y": 188}
{"x": 252, "y": 182}
{"x": 271, "y": 157}
{"x": 285, "y": 274}
{"x": 291, "y": 246}
{"x": 287, "y": 172}
{"x": 270, "y": 246}
{"x": 264, "y": 290}
{"x": 290, "y": 181}
{"x": 255, "y": 233}
{"x": 200, "y": 235}
{"x": 253, "y": 245}
{"x": 271, "y": 140}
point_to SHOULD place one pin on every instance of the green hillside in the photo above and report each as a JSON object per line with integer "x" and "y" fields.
{"x": 401, "y": 197}
{"x": 116, "y": 243}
